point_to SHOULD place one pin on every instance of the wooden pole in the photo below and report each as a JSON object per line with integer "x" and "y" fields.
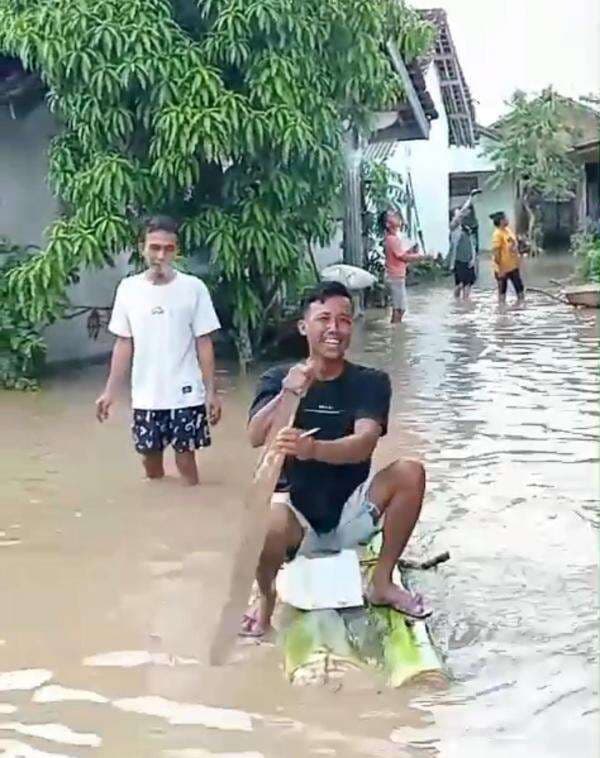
{"x": 254, "y": 529}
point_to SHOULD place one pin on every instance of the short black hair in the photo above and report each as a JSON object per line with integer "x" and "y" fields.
{"x": 383, "y": 217}
{"x": 323, "y": 291}
{"x": 382, "y": 220}
{"x": 497, "y": 217}
{"x": 159, "y": 223}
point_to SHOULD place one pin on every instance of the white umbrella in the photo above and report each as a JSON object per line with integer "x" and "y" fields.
{"x": 353, "y": 277}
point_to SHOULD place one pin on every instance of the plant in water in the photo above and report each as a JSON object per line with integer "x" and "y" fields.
{"x": 226, "y": 113}
{"x": 585, "y": 246}
{"x": 21, "y": 346}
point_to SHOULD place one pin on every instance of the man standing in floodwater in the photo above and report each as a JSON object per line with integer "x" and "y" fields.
{"x": 329, "y": 499}
{"x": 463, "y": 249}
{"x": 399, "y": 252}
{"x": 506, "y": 258}
{"x": 163, "y": 321}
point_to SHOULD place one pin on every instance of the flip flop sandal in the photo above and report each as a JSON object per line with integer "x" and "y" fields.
{"x": 425, "y": 613}
{"x": 250, "y": 617}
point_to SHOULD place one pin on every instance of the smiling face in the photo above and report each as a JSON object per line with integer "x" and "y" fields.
{"x": 328, "y": 327}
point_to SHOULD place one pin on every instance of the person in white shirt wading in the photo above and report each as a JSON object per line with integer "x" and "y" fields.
{"x": 163, "y": 320}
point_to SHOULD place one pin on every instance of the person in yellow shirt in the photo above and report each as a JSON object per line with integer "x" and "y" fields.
{"x": 505, "y": 257}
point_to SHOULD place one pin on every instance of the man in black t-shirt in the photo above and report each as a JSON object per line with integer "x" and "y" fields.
{"x": 327, "y": 499}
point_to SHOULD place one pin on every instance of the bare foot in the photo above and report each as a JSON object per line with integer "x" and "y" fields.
{"x": 400, "y": 600}
{"x": 257, "y": 621}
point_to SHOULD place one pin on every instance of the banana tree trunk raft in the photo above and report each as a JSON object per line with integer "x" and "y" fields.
{"x": 320, "y": 645}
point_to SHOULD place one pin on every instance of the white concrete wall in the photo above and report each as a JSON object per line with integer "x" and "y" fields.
{"x": 494, "y": 198}
{"x": 26, "y": 205}
{"x": 69, "y": 340}
{"x": 428, "y": 162}
{"x": 470, "y": 159}
{"x": 333, "y": 252}
{"x": 27, "y": 208}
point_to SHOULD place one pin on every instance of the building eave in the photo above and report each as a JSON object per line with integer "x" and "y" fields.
{"x": 419, "y": 127}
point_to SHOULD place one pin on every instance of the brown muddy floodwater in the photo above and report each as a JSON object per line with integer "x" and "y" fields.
{"x": 110, "y": 585}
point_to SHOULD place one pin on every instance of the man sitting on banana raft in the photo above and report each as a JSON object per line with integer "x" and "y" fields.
{"x": 328, "y": 499}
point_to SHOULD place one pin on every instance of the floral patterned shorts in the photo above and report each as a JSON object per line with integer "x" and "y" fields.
{"x": 185, "y": 429}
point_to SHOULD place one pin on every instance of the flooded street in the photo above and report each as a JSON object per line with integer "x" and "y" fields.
{"x": 110, "y": 584}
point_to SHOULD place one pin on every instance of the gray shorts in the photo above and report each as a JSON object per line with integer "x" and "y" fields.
{"x": 397, "y": 287}
{"x": 359, "y": 522}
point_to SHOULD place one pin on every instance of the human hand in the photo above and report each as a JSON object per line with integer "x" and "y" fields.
{"x": 215, "y": 409}
{"x": 103, "y": 406}
{"x": 299, "y": 378}
{"x": 295, "y": 443}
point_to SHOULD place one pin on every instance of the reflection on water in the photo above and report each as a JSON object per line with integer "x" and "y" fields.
{"x": 110, "y": 584}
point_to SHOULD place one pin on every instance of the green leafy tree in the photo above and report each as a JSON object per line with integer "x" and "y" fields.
{"x": 533, "y": 151}
{"x": 226, "y": 113}
{"x": 21, "y": 346}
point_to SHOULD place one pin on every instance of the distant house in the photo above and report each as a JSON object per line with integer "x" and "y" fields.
{"x": 427, "y": 166}
{"x": 559, "y": 219}
{"x": 472, "y": 169}
{"x": 421, "y": 141}
{"x": 410, "y": 120}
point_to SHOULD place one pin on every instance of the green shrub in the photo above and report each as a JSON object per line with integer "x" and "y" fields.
{"x": 21, "y": 346}
{"x": 585, "y": 246}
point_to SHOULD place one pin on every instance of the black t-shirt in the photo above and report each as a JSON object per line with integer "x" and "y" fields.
{"x": 319, "y": 490}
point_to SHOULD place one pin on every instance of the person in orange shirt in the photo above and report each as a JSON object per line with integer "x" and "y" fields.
{"x": 505, "y": 257}
{"x": 399, "y": 252}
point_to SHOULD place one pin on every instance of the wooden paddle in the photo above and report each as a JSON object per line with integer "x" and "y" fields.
{"x": 253, "y": 532}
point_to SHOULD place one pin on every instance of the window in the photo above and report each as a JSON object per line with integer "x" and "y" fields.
{"x": 462, "y": 184}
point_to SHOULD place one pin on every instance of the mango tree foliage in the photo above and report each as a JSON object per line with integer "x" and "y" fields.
{"x": 226, "y": 113}
{"x": 535, "y": 140}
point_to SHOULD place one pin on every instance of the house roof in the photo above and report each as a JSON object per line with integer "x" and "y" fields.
{"x": 416, "y": 110}
{"x": 456, "y": 96}
{"x": 583, "y": 119}
{"x": 487, "y": 131}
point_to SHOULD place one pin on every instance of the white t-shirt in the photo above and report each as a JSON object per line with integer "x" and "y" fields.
{"x": 163, "y": 320}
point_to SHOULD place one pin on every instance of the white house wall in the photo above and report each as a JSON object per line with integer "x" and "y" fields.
{"x": 26, "y": 205}
{"x": 333, "y": 252}
{"x": 428, "y": 162}
{"x": 465, "y": 160}
{"x": 27, "y": 208}
{"x": 470, "y": 159}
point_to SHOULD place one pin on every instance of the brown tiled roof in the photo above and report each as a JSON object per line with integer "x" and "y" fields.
{"x": 456, "y": 96}
{"x": 415, "y": 71}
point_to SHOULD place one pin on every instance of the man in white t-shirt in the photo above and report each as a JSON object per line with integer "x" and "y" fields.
{"x": 163, "y": 320}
